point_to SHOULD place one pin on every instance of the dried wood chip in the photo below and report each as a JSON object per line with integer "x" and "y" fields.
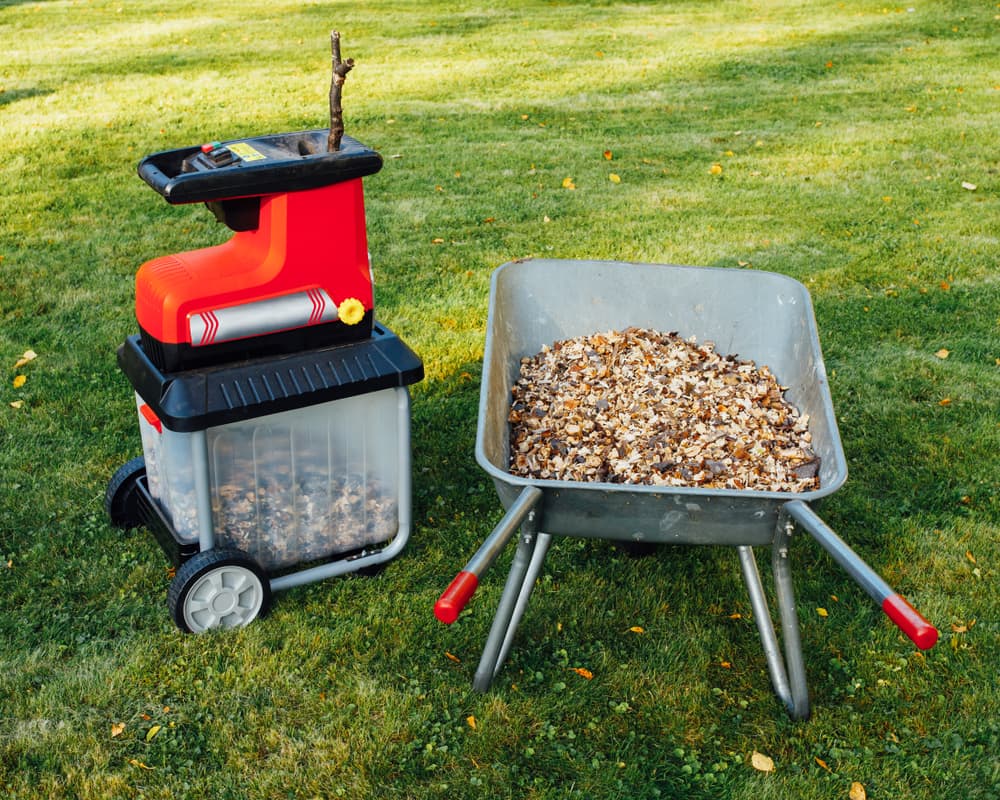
{"x": 643, "y": 407}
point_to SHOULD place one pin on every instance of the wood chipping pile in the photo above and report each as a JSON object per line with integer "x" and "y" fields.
{"x": 644, "y": 407}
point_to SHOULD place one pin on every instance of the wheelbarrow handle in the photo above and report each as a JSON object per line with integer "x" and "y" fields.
{"x": 895, "y": 606}
{"x": 460, "y": 590}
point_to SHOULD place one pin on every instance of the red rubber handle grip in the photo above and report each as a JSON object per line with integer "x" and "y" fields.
{"x": 910, "y": 622}
{"x": 453, "y": 599}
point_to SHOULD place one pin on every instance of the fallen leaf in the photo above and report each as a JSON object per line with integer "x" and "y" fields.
{"x": 614, "y": 178}
{"x": 972, "y": 558}
{"x": 761, "y": 763}
{"x": 946, "y": 401}
{"x": 29, "y": 355}
{"x": 471, "y": 721}
{"x": 743, "y": 263}
{"x": 725, "y": 664}
{"x": 437, "y": 241}
{"x": 942, "y": 353}
{"x": 456, "y": 659}
{"x": 637, "y": 629}
{"x": 568, "y": 183}
{"x": 736, "y": 615}
{"x": 546, "y": 218}
{"x": 944, "y": 286}
{"x": 822, "y": 612}
{"x": 19, "y": 381}
{"x": 857, "y": 792}
{"x": 715, "y": 169}
{"x": 584, "y": 673}
{"x": 969, "y": 186}
{"x": 117, "y": 729}
{"x": 17, "y": 404}
{"x": 823, "y": 764}
{"x": 959, "y": 628}
{"x": 608, "y": 155}
{"x": 151, "y": 733}
{"x": 136, "y": 763}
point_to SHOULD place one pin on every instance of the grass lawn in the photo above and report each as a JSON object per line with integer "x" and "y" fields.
{"x": 851, "y": 145}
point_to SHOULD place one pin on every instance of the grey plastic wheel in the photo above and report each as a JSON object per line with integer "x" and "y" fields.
{"x": 218, "y": 589}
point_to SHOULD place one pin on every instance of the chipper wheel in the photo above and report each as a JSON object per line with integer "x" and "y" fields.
{"x": 121, "y": 500}
{"x": 218, "y": 588}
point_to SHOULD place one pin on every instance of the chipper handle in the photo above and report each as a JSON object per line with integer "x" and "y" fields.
{"x": 896, "y": 607}
{"x": 455, "y": 597}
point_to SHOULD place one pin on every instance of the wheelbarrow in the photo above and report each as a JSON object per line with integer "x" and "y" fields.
{"x": 758, "y": 315}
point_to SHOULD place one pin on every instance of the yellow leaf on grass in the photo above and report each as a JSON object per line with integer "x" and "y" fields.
{"x": 450, "y": 657}
{"x": 857, "y": 792}
{"x": 17, "y": 404}
{"x": 637, "y": 629}
{"x": 959, "y": 628}
{"x": 608, "y": 155}
{"x": 471, "y": 721}
{"x": 151, "y": 733}
{"x": 945, "y": 401}
{"x": 583, "y": 672}
{"x": 968, "y": 555}
{"x": 968, "y": 186}
{"x": 29, "y": 355}
{"x": 761, "y": 763}
{"x": 136, "y": 763}
{"x": 942, "y": 353}
{"x": 614, "y": 178}
{"x": 117, "y": 729}
{"x": 822, "y": 612}
{"x": 438, "y": 240}
{"x": 568, "y": 183}
{"x": 715, "y": 169}
{"x": 19, "y": 381}
{"x": 823, "y": 764}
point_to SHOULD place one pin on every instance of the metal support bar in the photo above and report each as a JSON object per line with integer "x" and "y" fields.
{"x": 787, "y": 669}
{"x": 765, "y": 627}
{"x": 789, "y": 623}
{"x": 528, "y": 558}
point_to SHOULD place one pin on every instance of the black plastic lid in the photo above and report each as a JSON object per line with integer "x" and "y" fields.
{"x": 197, "y": 399}
{"x": 284, "y": 162}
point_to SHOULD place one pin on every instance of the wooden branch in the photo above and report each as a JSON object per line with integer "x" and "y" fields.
{"x": 340, "y": 70}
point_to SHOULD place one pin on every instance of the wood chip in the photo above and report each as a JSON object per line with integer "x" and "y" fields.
{"x": 644, "y": 407}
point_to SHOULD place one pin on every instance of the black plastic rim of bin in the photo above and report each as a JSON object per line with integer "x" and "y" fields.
{"x": 197, "y": 399}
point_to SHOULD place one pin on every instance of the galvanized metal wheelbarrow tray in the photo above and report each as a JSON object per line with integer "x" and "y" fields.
{"x": 758, "y": 315}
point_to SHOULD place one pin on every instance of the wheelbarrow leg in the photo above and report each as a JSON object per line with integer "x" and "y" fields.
{"x": 528, "y": 558}
{"x": 787, "y": 670}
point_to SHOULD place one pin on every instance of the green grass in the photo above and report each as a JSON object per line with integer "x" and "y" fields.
{"x": 844, "y": 133}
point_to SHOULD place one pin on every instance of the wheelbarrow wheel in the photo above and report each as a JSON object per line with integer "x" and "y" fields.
{"x": 121, "y": 500}
{"x": 218, "y": 588}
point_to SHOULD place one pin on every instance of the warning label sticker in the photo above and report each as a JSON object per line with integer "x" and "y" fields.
{"x": 246, "y": 152}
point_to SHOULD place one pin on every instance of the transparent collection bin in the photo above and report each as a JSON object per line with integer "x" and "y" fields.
{"x": 287, "y": 488}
